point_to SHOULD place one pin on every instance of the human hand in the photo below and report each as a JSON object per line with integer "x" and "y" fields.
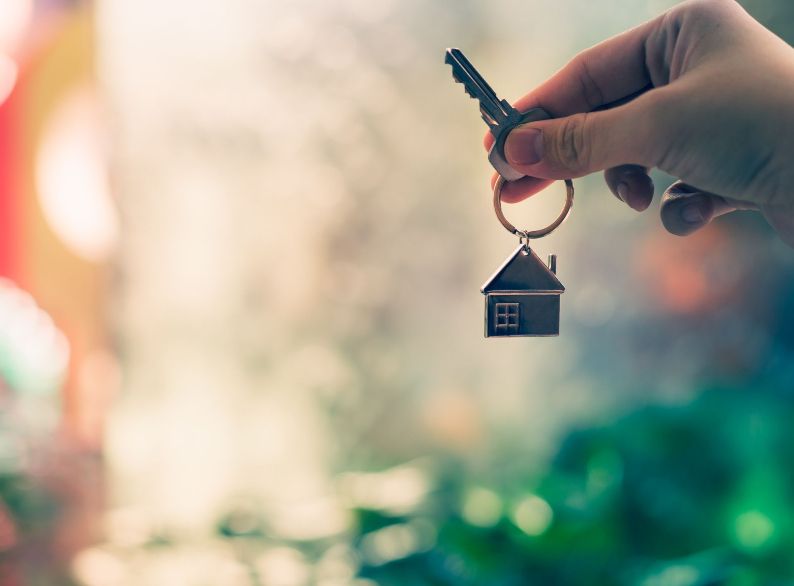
{"x": 715, "y": 109}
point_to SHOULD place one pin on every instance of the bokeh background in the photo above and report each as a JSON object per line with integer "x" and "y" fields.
{"x": 241, "y": 245}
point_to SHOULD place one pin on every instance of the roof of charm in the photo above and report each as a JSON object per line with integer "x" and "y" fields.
{"x": 523, "y": 271}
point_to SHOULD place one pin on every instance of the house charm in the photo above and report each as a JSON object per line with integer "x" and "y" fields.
{"x": 522, "y": 298}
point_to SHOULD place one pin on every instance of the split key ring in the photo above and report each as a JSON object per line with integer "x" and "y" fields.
{"x": 531, "y": 234}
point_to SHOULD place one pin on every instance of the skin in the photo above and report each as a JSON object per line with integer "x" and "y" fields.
{"x": 715, "y": 109}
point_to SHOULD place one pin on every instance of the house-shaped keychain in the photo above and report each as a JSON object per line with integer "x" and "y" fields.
{"x": 522, "y": 298}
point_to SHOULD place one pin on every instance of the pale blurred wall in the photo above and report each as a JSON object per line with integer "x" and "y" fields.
{"x": 306, "y": 225}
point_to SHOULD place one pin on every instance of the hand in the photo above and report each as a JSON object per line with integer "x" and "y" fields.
{"x": 715, "y": 109}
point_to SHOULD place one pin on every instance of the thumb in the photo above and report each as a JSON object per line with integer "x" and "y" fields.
{"x": 577, "y": 145}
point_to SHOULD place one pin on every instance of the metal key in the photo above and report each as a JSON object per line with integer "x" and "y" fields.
{"x": 498, "y": 114}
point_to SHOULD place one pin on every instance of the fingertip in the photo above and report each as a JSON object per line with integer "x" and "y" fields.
{"x": 638, "y": 192}
{"x": 684, "y": 212}
{"x": 524, "y": 146}
{"x": 636, "y": 199}
{"x": 632, "y": 185}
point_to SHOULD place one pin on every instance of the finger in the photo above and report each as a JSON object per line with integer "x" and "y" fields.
{"x": 605, "y": 73}
{"x": 631, "y": 184}
{"x": 577, "y": 145}
{"x": 686, "y": 209}
{"x": 516, "y": 191}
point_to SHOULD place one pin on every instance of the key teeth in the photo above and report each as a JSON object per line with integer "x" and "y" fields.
{"x": 465, "y": 85}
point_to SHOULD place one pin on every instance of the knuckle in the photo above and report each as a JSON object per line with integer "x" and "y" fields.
{"x": 703, "y": 9}
{"x": 571, "y": 149}
{"x": 590, "y": 90}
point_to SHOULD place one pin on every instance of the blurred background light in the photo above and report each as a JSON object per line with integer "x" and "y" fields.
{"x": 338, "y": 564}
{"x": 309, "y": 520}
{"x": 754, "y": 530}
{"x": 532, "y": 515}
{"x": 396, "y": 542}
{"x": 9, "y": 72}
{"x": 34, "y": 354}
{"x": 17, "y": 16}
{"x": 72, "y": 179}
{"x": 283, "y": 566}
{"x": 397, "y": 491}
{"x": 675, "y": 575}
{"x": 482, "y": 507}
{"x": 98, "y": 567}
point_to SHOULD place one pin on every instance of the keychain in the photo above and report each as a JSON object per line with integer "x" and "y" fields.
{"x": 522, "y": 298}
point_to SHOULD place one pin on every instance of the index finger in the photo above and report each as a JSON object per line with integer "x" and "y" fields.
{"x": 607, "y": 72}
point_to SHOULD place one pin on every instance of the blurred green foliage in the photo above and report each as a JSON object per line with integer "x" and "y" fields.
{"x": 691, "y": 494}
{"x": 683, "y": 495}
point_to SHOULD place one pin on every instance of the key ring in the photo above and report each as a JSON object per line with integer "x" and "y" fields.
{"x": 530, "y": 234}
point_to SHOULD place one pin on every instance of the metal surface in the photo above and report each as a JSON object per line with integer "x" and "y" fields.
{"x": 523, "y": 271}
{"x": 531, "y": 234}
{"x": 553, "y": 263}
{"x": 522, "y": 298}
{"x": 498, "y": 114}
{"x": 496, "y": 155}
{"x": 511, "y": 315}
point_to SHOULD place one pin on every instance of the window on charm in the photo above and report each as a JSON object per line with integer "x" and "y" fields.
{"x": 507, "y": 318}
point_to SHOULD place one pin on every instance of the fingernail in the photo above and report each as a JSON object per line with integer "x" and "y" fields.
{"x": 692, "y": 214}
{"x": 623, "y": 191}
{"x": 524, "y": 146}
{"x": 632, "y": 198}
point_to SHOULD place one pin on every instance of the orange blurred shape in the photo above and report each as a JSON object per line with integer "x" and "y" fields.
{"x": 453, "y": 419}
{"x": 684, "y": 290}
{"x": 8, "y": 530}
{"x": 98, "y": 380}
{"x": 690, "y": 275}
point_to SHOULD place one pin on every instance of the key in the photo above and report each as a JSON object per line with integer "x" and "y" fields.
{"x": 498, "y": 114}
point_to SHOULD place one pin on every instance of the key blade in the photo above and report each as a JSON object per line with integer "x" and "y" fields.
{"x": 486, "y": 115}
{"x": 493, "y": 110}
{"x": 466, "y": 73}
{"x": 461, "y": 81}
